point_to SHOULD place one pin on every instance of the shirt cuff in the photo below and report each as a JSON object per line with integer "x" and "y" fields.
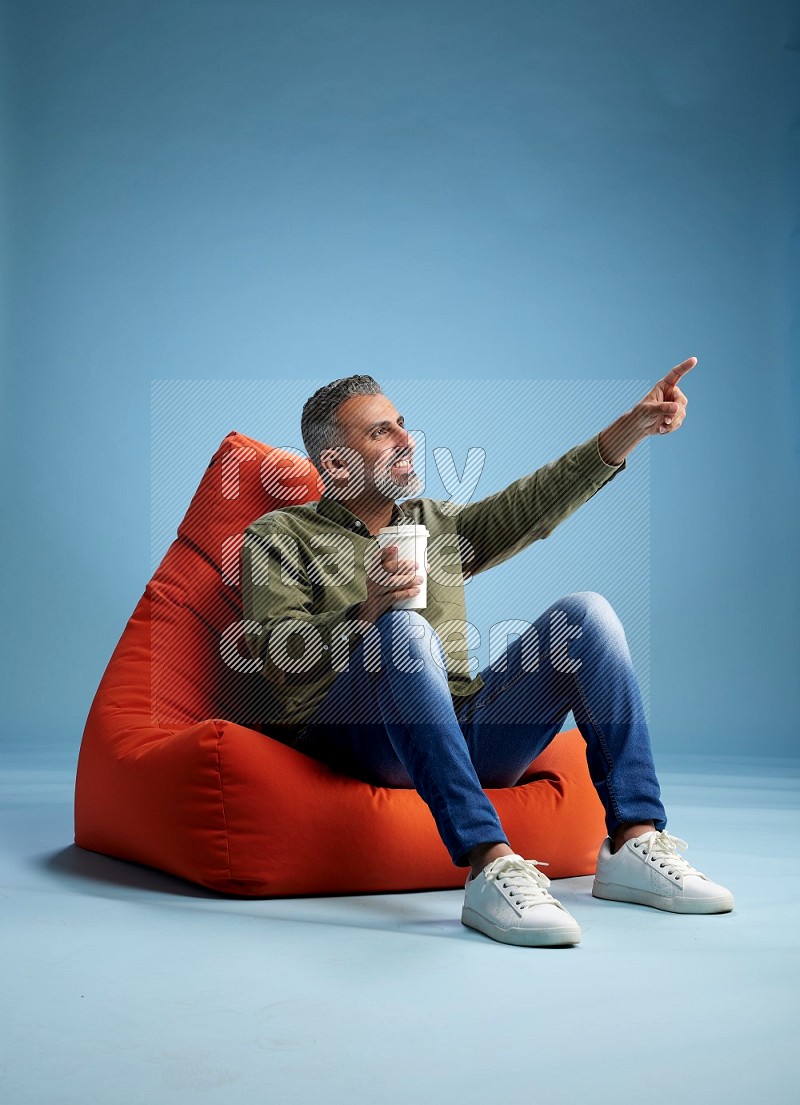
{"x": 592, "y": 463}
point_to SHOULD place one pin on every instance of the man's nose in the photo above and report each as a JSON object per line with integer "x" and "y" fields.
{"x": 407, "y": 441}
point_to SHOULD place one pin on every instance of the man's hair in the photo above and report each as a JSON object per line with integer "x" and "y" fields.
{"x": 319, "y": 425}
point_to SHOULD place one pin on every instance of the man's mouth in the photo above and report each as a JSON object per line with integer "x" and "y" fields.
{"x": 401, "y": 466}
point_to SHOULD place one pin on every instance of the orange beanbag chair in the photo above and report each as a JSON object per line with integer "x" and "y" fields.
{"x": 177, "y": 771}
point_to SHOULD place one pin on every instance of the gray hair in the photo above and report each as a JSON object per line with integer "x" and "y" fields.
{"x": 319, "y": 424}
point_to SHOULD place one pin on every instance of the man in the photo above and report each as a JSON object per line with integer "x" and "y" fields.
{"x": 386, "y": 694}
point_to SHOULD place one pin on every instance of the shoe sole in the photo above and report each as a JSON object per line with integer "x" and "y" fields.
{"x": 612, "y": 892}
{"x": 522, "y": 938}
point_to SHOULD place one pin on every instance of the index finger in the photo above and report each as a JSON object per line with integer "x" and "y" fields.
{"x": 674, "y": 374}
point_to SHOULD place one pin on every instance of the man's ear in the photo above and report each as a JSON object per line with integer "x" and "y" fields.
{"x": 342, "y": 468}
{"x": 333, "y": 463}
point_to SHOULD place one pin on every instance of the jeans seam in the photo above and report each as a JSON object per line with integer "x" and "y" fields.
{"x": 601, "y": 739}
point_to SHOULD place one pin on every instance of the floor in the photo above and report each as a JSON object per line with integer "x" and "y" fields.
{"x": 124, "y": 985}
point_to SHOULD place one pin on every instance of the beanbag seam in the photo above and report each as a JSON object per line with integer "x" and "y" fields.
{"x": 220, "y": 730}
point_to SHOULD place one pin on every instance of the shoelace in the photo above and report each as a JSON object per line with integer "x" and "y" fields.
{"x": 527, "y": 883}
{"x": 661, "y": 848}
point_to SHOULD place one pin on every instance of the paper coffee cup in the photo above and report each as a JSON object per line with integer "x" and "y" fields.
{"x": 412, "y": 544}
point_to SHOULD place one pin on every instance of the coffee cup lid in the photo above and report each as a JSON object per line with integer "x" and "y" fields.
{"x": 406, "y": 529}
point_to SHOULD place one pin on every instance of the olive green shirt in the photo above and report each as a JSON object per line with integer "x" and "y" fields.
{"x": 304, "y": 574}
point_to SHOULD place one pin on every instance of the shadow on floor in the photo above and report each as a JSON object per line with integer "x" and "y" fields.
{"x": 404, "y": 912}
{"x": 74, "y": 863}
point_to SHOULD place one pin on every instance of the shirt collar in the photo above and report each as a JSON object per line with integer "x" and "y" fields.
{"x": 331, "y": 508}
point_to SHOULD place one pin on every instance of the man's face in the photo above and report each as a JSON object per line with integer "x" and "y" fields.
{"x": 373, "y": 428}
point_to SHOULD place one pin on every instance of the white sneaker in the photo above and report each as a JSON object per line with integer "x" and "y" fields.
{"x": 509, "y": 901}
{"x": 649, "y": 871}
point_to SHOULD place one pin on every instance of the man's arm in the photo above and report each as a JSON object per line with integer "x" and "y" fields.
{"x": 288, "y": 620}
{"x": 291, "y": 636}
{"x": 530, "y": 508}
{"x": 501, "y": 525}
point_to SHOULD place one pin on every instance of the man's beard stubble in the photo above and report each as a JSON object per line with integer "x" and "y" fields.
{"x": 393, "y": 487}
{"x": 400, "y": 489}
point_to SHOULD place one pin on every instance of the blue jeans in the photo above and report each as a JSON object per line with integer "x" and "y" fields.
{"x": 391, "y": 719}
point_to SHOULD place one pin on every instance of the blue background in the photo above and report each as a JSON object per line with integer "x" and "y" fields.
{"x": 454, "y": 192}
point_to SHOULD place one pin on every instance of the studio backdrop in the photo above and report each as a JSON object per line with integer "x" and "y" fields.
{"x": 516, "y": 216}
